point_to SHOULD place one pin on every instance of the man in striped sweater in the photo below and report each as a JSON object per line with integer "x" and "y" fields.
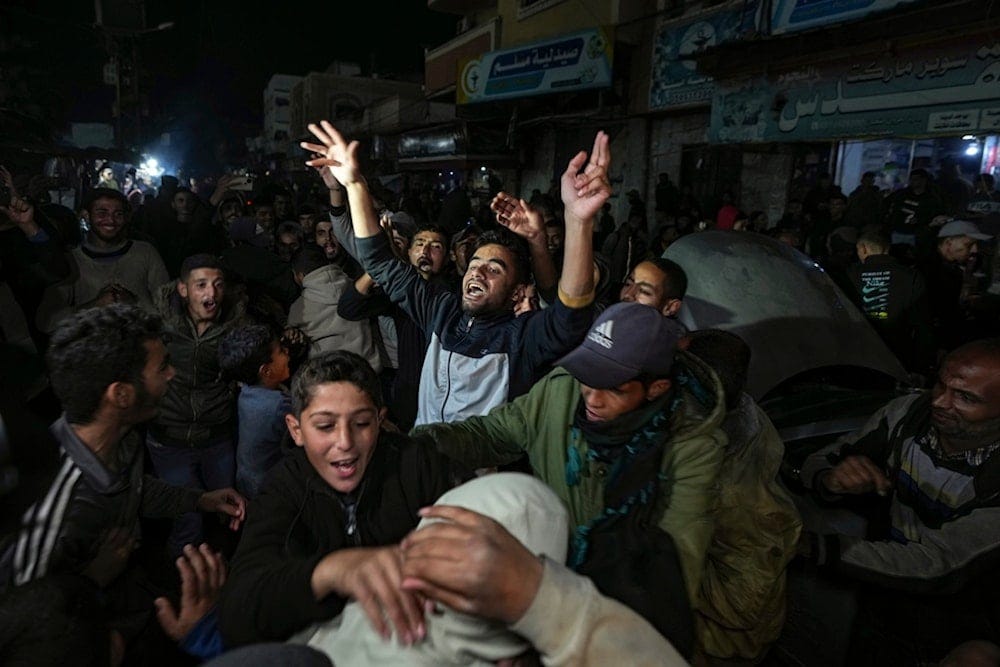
{"x": 927, "y": 470}
{"x": 109, "y": 368}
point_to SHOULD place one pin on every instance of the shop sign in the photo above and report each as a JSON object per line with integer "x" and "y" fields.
{"x": 952, "y": 90}
{"x": 571, "y": 62}
{"x": 792, "y": 15}
{"x": 674, "y": 79}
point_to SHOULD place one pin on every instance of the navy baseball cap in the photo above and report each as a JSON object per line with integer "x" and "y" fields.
{"x": 626, "y": 341}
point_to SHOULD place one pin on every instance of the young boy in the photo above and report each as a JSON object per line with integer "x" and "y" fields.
{"x": 327, "y": 524}
{"x": 255, "y": 357}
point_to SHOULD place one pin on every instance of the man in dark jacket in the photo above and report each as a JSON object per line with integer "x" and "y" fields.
{"x": 191, "y": 440}
{"x": 945, "y": 273}
{"x": 31, "y": 254}
{"x": 109, "y": 369}
{"x": 911, "y": 210}
{"x": 894, "y": 299}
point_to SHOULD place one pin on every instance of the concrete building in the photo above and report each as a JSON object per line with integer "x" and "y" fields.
{"x": 277, "y": 112}
{"x": 718, "y": 95}
{"x": 546, "y": 75}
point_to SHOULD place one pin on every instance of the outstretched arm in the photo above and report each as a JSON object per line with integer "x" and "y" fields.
{"x": 517, "y": 216}
{"x": 400, "y": 280}
{"x": 341, "y": 158}
{"x": 583, "y": 194}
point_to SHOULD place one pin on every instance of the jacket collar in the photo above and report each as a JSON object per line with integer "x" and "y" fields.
{"x": 103, "y": 479}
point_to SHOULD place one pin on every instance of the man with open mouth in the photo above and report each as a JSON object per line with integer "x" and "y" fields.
{"x": 479, "y": 355}
{"x": 190, "y": 441}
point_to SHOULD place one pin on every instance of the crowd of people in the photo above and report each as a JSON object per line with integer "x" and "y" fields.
{"x": 433, "y": 438}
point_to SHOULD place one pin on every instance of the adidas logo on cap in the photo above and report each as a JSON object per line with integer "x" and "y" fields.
{"x": 602, "y": 334}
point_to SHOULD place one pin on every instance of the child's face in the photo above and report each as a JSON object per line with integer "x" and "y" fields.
{"x": 339, "y": 430}
{"x": 277, "y": 368}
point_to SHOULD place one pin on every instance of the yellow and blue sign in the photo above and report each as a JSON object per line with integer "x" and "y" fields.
{"x": 570, "y": 62}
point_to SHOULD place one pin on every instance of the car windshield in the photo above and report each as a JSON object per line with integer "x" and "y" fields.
{"x": 798, "y": 324}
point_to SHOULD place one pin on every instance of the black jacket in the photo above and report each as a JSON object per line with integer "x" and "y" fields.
{"x": 894, "y": 299}
{"x": 199, "y": 408}
{"x": 62, "y": 531}
{"x": 298, "y": 519}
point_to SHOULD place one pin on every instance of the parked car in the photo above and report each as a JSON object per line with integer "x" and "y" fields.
{"x": 818, "y": 368}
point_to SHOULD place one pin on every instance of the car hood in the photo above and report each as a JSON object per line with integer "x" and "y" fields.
{"x": 780, "y": 302}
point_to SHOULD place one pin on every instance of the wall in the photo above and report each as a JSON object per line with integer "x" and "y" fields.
{"x": 667, "y": 137}
{"x": 539, "y": 173}
{"x": 559, "y": 19}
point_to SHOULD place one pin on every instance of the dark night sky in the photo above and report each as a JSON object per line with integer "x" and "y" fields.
{"x": 208, "y": 72}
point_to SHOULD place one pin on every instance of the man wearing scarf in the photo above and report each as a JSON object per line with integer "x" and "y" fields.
{"x": 626, "y": 431}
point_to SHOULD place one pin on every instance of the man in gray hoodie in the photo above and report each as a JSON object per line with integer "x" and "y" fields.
{"x": 315, "y": 311}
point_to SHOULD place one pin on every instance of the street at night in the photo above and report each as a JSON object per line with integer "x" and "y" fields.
{"x": 521, "y": 332}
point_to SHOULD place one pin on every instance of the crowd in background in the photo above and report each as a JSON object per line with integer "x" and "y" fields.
{"x": 317, "y": 364}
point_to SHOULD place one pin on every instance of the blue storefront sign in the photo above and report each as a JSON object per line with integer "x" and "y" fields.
{"x": 674, "y": 80}
{"x": 953, "y": 89}
{"x": 792, "y": 15}
{"x": 571, "y": 62}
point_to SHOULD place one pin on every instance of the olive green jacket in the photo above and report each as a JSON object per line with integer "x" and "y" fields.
{"x": 741, "y": 609}
{"x": 540, "y": 424}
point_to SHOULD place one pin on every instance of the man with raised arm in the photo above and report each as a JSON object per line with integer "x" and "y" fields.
{"x": 479, "y": 354}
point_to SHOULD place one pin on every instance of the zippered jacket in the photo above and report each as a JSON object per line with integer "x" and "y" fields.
{"x": 298, "y": 519}
{"x": 199, "y": 408}
{"x": 942, "y": 518}
{"x": 61, "y": 532}
{"x": 474, "y": 363}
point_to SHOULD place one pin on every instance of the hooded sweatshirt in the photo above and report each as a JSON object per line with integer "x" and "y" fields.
{"x": 315, "y": 312}
{"x": 532, "y": 513}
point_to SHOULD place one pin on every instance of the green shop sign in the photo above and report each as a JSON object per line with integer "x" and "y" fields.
{"x": 950, "y": 90}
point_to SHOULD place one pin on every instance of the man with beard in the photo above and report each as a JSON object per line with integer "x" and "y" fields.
{"x": 927, "y": 467}
{"x": 479, "y": 355}
{"x": 191, "y": 440}
{"x": 110, "y": 266}
{"x": 109, "y": 369}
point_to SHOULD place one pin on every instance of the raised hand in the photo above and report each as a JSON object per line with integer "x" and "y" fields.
{"x": 22, "y": 214}
{"x": 584, "y": 193}
{"x": 517, "y": 216}
{"x": 399, "y": 250}
{"x": 8, "y": 180}
{"x": 203, "y": 572}
{"x": 222, "y": 186}
{"x": 340, "y": 156}
{"x": 329, "y": 180}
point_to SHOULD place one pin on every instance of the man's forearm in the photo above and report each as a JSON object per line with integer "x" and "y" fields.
{"x": 337, "y": 196}
{"x": 571, "y": 623}
{"x": 362, "y": 212}
{"x": 542, "y": 265}
{"x": 577, "y": 280}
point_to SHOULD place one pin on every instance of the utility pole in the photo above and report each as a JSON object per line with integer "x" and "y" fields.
{"x": 121, "y": 29}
